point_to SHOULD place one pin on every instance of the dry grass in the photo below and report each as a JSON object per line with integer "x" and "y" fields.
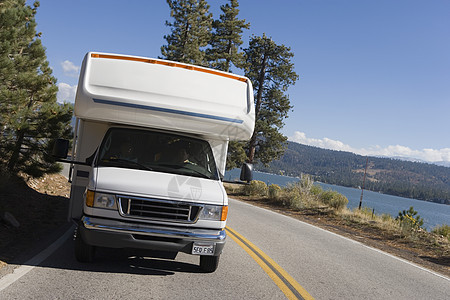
{"x": 366, "y": 216}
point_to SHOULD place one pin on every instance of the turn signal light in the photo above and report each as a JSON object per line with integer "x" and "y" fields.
{"x": 90, "y": 195}
{"x": 224, "y": 213}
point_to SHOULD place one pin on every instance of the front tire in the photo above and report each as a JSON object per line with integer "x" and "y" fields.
{"x": 83, "y": 252}
{"x": 209, "y": 264}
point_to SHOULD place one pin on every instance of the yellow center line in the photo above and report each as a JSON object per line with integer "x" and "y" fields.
{"x": 291, "y": 288}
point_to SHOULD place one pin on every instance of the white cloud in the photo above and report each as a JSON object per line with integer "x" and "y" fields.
{"x": 66, "y": 92}
{"x": 70, "y": 69}
{"x": 300, "y": 137}
{"x": 428, "y": 155}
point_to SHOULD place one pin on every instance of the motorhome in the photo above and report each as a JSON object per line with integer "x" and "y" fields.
{"x": 149, "y": 155}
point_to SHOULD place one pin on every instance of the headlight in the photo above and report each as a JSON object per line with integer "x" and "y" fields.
{"x": 101, "y": 200}
{"x": 214, "y": 213}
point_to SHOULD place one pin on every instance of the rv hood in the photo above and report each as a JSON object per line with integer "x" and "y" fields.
{"x": 159, "y": 185}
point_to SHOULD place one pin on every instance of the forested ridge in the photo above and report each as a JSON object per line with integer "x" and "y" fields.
{"x": 416, "y": 180}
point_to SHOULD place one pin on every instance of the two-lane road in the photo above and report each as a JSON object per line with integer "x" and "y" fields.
{"x": 331, "y": 266}
{"x": 323, "y": 264}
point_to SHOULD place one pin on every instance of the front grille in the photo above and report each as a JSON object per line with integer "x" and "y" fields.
{"x": 161, "y": 210}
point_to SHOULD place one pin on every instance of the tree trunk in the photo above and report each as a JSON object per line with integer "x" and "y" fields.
{"x": 186, "y": 31}
{"x": 16, "y": 151}
{"x": 252, "y": 143}
{"x": 228, "y": 59}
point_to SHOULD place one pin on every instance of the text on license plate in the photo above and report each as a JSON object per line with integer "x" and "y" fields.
{"x": 203, "y": 249}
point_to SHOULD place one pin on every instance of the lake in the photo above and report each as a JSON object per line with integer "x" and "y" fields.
{"x": 433, "y": 214}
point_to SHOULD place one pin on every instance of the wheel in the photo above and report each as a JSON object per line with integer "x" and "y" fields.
{"x": 83, "y": 252}
{"x": 209, "y": 263}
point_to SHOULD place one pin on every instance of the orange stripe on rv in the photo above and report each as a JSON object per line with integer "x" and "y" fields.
{"x": 169, "y": 64}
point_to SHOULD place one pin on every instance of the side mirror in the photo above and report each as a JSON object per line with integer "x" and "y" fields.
{"x": 246, "y": 172}
{"x": 60, "y": 148}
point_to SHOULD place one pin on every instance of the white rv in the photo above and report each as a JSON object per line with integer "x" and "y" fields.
{"x": 149, "y": 153}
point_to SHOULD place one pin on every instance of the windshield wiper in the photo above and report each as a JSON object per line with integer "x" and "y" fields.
{"x": 132, "y": 162}
{"x": 200, "y": 173}
{"x": 179, "y": 167}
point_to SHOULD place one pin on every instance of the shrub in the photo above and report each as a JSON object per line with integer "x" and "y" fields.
{"x": 274, "y": 191}
{"x": 326, "y": 196}
{"x": 296, "y": 199}
{"x": 234, "y": 189}
{"x": 303, "y": 186}
{"x": 443, "y": 230}
{"x": 294, "y": 196}
{"x": 316, "y": 190}
{"x": 409, "y": 219}
{"x": 306, "y": 182}
{"x": 256, "y": 188}
{"x": 334, "y": 199}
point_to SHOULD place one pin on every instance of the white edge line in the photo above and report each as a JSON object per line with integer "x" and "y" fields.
{"x": 29, "y": 265}
{"x": 357, "y": 242}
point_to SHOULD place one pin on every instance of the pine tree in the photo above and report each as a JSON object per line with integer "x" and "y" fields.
{"x": 30, "y": 117}
{"x": 271, "y": 71}
{"x": 236, "y": 155}
{"x": 226, "y": 39}
{"x": 190, "y": 32}
{"x": 223, "y": 53}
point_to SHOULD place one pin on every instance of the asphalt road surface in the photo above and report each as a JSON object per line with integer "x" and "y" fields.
{"x": 267, "y": 256}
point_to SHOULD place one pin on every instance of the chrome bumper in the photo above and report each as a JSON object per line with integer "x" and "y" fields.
{"x": 117, "y": 234}
{"x": 150, "y": 230}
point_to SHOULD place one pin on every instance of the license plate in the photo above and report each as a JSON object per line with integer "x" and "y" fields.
{"x": 203, "y": 249}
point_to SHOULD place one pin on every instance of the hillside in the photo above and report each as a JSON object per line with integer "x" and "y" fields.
{"x": 390, "y": 176}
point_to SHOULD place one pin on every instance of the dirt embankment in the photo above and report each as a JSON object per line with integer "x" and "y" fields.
{"x": 40, "y": 207}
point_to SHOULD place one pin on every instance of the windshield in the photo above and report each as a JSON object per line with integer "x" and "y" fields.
{"x": 156, "y": 151}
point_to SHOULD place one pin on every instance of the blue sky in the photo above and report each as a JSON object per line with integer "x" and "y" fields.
{"x": 374, "y": 75}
